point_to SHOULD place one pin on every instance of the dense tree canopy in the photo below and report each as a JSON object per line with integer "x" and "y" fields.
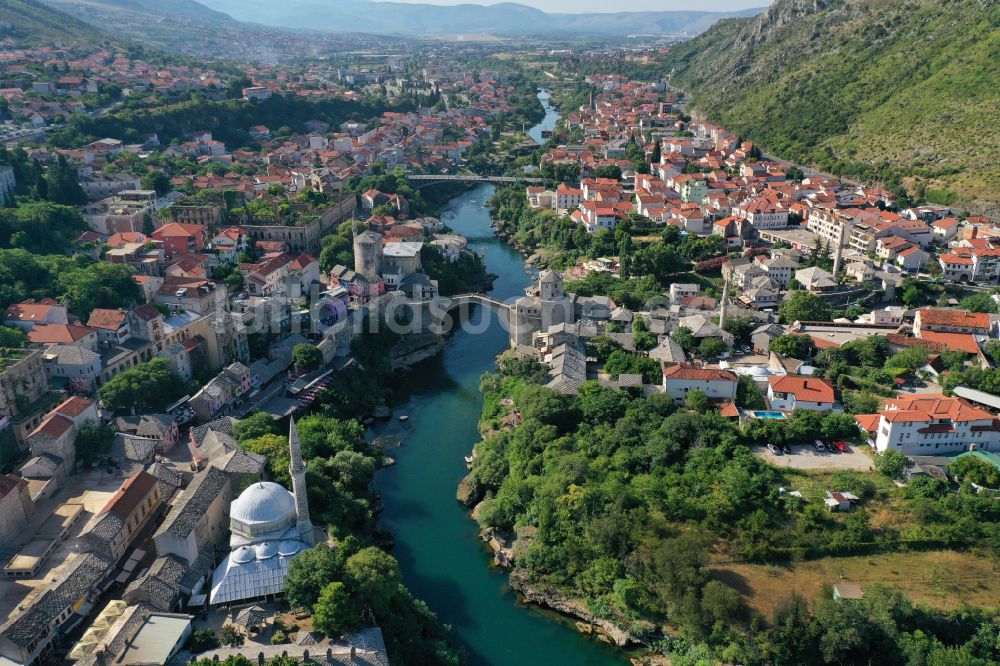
{"x": 149, "y": 386}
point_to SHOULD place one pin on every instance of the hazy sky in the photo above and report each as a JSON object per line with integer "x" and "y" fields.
{"x": 616, "y": 5}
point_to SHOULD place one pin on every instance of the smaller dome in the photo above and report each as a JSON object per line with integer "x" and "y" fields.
{"x": 266, "y": 550}
{"x": 287, "y": 548}
{"x": 243, "y": 554}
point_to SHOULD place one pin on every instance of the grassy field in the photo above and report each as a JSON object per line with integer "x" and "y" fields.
{"x": 941, "y": 579}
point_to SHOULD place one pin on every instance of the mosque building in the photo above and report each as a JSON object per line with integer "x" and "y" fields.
{"x": 269, "y": 526}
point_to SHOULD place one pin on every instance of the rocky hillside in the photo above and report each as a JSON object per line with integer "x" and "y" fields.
{"x": 890, "y": 89}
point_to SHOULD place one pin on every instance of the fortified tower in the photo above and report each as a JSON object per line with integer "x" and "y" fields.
{"x": 368, "y": 255}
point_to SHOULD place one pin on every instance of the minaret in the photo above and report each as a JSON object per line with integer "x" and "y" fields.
{"x": 840, "y": 251}
{"x": 297, "y": 469}
{"x": 725, "y": 296}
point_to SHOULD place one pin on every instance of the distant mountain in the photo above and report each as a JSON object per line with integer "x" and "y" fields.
{"x": 189, "y": 9}
{"x": 876, "y": 88}
{"x": 507, "y": 18}
{"x": 29, "y": 21}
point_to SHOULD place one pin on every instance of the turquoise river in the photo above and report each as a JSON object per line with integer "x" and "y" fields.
{"x": 443, "y": 560}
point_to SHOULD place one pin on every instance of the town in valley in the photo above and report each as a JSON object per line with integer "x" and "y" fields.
{"x": 707, "y": 390}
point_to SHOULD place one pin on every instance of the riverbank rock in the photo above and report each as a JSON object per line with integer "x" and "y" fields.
{"x": 469, "y": 491}
{"x": 578, "y": 610}
{"x": 502, "y": 545}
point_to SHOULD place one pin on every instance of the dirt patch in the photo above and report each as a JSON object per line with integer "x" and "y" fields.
{"x": 941, "y": 579}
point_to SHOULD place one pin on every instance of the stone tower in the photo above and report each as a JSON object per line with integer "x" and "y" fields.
{"x": 368, "y": 254}
{"x": 297, "y": 469}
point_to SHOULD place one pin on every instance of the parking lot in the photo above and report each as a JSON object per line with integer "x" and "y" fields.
{"x": 806, "y": 457}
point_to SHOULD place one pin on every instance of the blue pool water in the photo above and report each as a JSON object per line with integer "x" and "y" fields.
{"x": 768, "y": 415}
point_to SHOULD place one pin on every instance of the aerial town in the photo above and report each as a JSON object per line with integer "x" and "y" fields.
{"x": 263, "y": 315}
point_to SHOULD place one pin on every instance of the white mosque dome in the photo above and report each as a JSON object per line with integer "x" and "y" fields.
{"x": 266, "y": 550}
{"x": 243, "y": 554}
{"x": 263, "y": 503}
{"x": 286, "y": 548}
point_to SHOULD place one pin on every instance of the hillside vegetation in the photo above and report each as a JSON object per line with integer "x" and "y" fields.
{"x": 32, "y": 23}
{"x": 879, "y": 89}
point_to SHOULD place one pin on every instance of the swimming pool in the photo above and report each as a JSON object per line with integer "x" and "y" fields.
{"x": 768, "y": 415}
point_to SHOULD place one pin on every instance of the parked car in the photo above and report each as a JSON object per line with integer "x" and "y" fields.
{"x": 841, "y": 446}
{"x": 820, "y": 446}
{"x": 774, "y": 449}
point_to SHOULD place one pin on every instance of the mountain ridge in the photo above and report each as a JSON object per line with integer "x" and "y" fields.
{"x": 878, "y": 89}
{"x": 502, "y": 19}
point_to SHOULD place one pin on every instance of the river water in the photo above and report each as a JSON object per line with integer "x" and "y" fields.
{"x": 442, "y": 558}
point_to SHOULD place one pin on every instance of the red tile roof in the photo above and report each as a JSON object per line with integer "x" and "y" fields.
{"x": 53, "y": 426}
{"x": 946, "y": 317}
{"x": 927, "y": 407}
{"x": 57, "y": 333}
{"x": 810, "y": 389}
{"x": 73, "y": 406}
{"x": 958, "y": 341}
{"x": 868, "y": 422}
{"x": 132, "y": 493}
{"x": 109, "y": 320}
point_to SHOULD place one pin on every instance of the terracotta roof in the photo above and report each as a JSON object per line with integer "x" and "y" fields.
{"x": 685, "y": 371}
{"x": 57, "y": 333}
{"x": 868, "y": 422}
{"x": 53, "y": 426}
{"x": 809, "y": 389}
{"x": 30, "y": 311}
{"x": 958, "y": 341}
{"x": 73, "y": 406}
{"x": 110, "y": 320}
{"x": 946, "y": 317}
{"x": 146, "y": 312}
{"x": 132, "y": 493}
{"x": 729, "y": 410}
{"x": 927, "y": 407}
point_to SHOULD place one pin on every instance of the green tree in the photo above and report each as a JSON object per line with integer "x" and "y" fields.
{"x": 981, "y": 302}
{"x": 231, "y": 636}
{"x": 151, "y": 385}
{"x": 12, "y": 337}
{"x": 307, "y": 357}
{"x": 685, "y": 338}
{"x": 334, "y": 613}
{"x": 375, "y": 577}
{"x": 805, "y": 306}
{"x": 64, "y": 184}
{"x": 748, "y": 394}
{"x": 311, "y": 571}
{"x": 801, "y": 347}
{"x": 711, "y": 347}
{"x": 254, "y": 426}
{"x": 697, "y": 401}
{"x": 202, "y": 640}
{"x": 93, "y": 439}
{"x": 892, "y": 463}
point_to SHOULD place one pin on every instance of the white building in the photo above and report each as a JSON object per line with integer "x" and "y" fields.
{"x": 679, "y": 380}
{"x": 791, "y": 392}
{"x": 933, "y": 424}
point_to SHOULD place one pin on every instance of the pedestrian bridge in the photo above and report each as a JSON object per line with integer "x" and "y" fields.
{"x": 423, "y": 180}
{"x": 494, "y": 304}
